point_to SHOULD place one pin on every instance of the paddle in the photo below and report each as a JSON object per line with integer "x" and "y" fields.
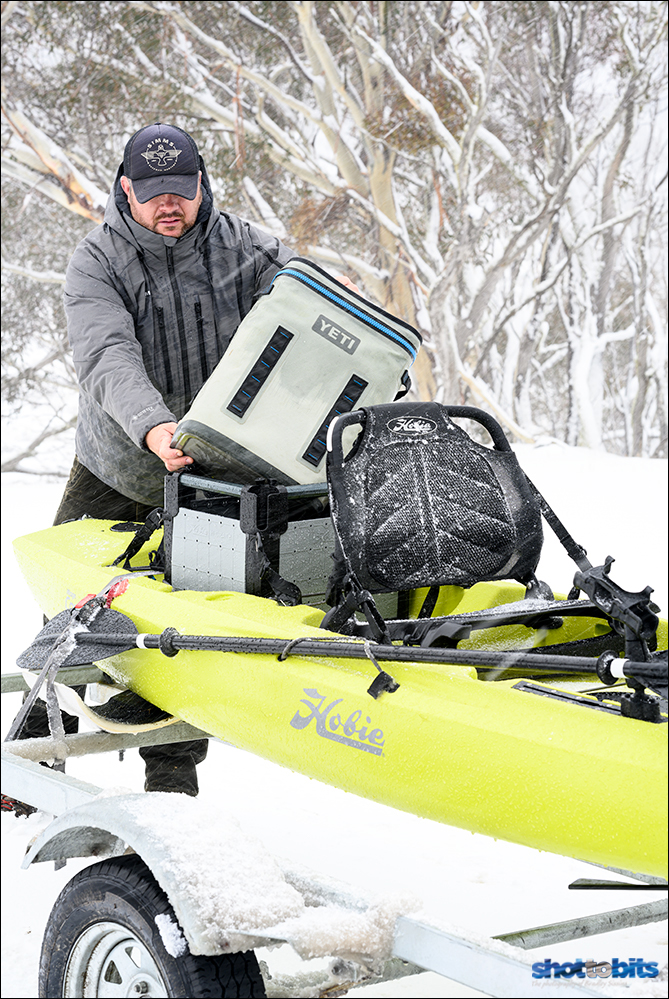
{"x": 106, "y": 641}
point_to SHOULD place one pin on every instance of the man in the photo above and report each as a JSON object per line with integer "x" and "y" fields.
{"x": 153, "y": 297}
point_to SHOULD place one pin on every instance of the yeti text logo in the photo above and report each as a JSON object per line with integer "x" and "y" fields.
{"x": 161, "y": 154}
{"x": 326, "y": 328}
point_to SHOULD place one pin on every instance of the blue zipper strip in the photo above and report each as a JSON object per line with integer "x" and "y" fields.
{"x": 369, "y": 320}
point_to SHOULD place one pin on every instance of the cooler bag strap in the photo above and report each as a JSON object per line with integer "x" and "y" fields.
{"x": 260, "y": 372}
{"x": 344, "y": 404}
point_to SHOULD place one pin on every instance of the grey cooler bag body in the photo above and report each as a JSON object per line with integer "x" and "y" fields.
{"x": 309, "y": 350}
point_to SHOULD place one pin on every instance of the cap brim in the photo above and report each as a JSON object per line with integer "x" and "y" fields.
{"x": 183, "y": 186}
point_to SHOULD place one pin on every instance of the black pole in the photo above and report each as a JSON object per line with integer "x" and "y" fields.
{"x": 170, "y": 642}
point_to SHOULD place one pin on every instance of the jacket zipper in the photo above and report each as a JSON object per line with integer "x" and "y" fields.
{"x": 200, "y": 340}
{"x": 181, "y": 329}
{"x": 162, "y": 338}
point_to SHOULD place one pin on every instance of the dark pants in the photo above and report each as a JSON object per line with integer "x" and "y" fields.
{"x": 170, "y": 767}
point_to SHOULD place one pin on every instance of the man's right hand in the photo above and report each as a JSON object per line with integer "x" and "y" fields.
{"x": 159, "y": 440}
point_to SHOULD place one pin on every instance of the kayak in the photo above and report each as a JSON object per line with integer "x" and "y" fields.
{"x": 543, "y": 763}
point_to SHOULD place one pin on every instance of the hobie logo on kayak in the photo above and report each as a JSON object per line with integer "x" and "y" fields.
{"x": 351, "y": 730}
{"x": 412, "y": 426}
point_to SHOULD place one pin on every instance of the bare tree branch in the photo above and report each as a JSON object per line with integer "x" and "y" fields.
{"x": 12, "y": 465}
{"x": 45, "y": 277}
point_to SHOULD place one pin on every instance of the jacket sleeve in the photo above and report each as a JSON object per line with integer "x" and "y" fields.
{"x": 107, "y": 354}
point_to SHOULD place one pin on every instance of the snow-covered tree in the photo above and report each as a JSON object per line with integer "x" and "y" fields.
{"x": 491, "y": 172}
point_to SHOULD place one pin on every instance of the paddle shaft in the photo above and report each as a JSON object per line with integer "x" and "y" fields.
{"x": 355, "y": 650}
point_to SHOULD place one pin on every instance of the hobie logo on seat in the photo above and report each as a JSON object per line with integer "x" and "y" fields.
{"x": 331, "y": 724}
{"x": 335, "y": 334}
{"x": 412, "y": 426}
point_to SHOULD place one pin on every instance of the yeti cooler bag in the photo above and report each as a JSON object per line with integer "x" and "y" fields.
{"x": 309, "y": 350}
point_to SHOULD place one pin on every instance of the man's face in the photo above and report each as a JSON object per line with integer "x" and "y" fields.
{"x": 168, "y": 214}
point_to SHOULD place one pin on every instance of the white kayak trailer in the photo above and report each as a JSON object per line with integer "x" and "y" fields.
{"x": 127, "y": 925}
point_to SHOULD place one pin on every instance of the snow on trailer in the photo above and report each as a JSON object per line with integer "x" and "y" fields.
{"x": 183, "y": 898}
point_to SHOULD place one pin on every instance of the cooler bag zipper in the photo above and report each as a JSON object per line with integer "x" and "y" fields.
{"x": 364, "y": 317}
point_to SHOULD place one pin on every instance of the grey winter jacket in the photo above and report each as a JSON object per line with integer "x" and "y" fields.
{"x": 148, "y": 319}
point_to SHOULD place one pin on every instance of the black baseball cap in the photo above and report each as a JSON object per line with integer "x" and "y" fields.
{"x": 162, "y": 159}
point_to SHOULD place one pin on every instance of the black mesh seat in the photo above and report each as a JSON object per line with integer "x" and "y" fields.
{"x": 416, "y": 502}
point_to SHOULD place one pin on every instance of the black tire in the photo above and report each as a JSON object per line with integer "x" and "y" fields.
{"x": 103, "y": 931}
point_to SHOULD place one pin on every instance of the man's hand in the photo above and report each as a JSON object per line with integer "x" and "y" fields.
{"x": 159, "y": 440}
{"x": 346, "y": 281}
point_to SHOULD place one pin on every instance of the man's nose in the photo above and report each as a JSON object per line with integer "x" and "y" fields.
{"x": 170, "y": 200}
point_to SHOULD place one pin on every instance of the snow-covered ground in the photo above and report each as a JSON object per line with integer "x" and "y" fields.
{"x": 612, "y": 506}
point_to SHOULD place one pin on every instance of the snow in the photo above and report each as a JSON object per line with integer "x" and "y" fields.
{"x": 334, "y": 929}
{"x": 229, "y": 876}
{"x": 269, "y": 216}
{"x": 170, "y": 933}
{"x": 611, "y": 505}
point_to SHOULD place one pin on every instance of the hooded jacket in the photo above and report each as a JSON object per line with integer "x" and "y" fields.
{"x": 148, "y": 318}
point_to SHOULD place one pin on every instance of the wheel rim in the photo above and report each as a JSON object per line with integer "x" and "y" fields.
{"x": 109, "y": 961}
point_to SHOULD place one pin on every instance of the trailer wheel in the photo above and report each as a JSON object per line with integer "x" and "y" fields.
{"x": 103, "y": 940}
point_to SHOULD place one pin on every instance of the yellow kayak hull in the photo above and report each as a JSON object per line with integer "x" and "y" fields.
{"x": 484, "y": 756}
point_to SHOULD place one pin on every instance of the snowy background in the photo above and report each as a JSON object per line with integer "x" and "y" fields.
{"x": 492, "y": 173}
{"x": 613, "y": 506}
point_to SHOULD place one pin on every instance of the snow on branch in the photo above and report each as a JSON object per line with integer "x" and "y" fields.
{"x": 485, "y": 395}
{"x": 550, "y": 280}
{"x": 80, "y": 194}
{"x": 418, "y": 100}
{"x": 266, "y": 26}
{"x": 270, "y": 219}
{"x": 616, "y": 336}
{"x": 346, "y": 158}
{"x": 501, "y": 153}
{"x": 7, "y": 11}
{"x": 453, "y": 80}
{"x": 324, "y": 54}
{"x": 591, "y": 142}
{"x": 253, "y": 76}
{"x": 608, "y": 224}
{"x": 396, "y": 230}
{"x": 38, "y": 182}
{"x": 280, "y": 147}
{"x": 12, "y": 465}
{"x": 362, "y": 267}
{"x": 46, "y": 277}
{"x": 539, "y": 290}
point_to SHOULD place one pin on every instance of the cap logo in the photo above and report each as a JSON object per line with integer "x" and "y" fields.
{"x": 161, "y": 154}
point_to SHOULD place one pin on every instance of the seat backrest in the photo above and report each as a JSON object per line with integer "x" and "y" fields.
{"x": 417, "y": 502}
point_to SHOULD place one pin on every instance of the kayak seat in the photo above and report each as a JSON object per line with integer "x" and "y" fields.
{"x": 417, "y": 502}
